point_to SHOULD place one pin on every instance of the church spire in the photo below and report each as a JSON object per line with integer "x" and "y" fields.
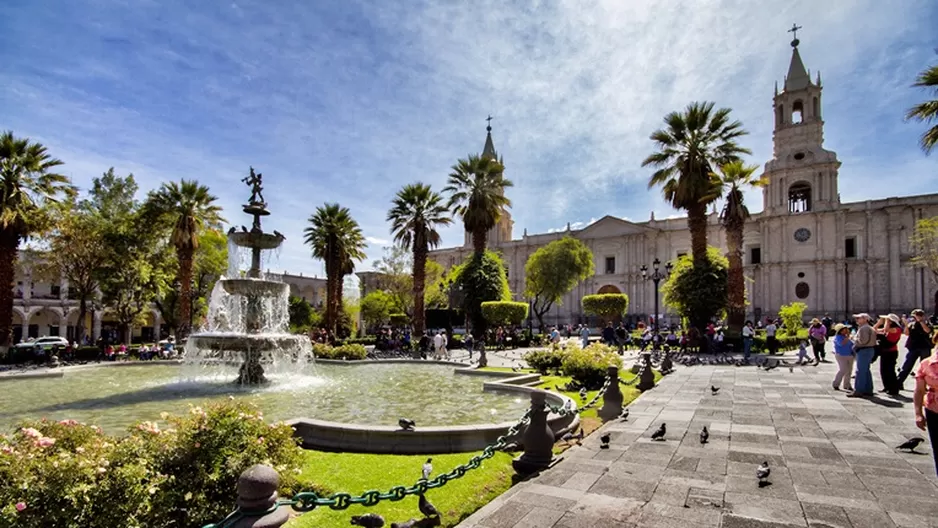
{"x": 488, "y": 151}
{"x": 797, "y": 78}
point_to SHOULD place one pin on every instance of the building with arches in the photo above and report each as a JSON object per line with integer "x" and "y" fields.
{"x": 806, "y": 245}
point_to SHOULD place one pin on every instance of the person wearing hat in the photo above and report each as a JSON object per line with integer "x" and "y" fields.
{"x": 817, "y": 333}
{"x": 843, "y": 353}
{"x": 918, "y": 344}
{"x": 889, "y": 330}
{"x": 864, "y": 345}
{"x": 925, "y": 399}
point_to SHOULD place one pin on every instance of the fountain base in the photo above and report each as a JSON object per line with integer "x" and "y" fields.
{"x": 251, "y": 373}
{"x": 252, "y": 351}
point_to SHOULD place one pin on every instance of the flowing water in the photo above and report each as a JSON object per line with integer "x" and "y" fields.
{"x": 368, "y": 394}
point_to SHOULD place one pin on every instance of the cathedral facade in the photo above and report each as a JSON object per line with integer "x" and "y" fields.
{"x": 806, "y": 245}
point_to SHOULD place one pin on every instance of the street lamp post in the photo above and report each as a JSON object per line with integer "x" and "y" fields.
{"x": 656, "y": 277}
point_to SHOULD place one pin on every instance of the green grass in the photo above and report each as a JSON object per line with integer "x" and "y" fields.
{"x": 356, "y": 473}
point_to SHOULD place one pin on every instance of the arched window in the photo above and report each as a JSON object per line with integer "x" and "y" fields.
{"x": 780, "y": 116}
{"x": 816, "y": 109}
{"x": 799, "y": 197}
{"x": 797, "y": 110}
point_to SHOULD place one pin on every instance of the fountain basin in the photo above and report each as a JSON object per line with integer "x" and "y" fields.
{"x": 220, "y": 343}
{"x": 254, "y": 287}
{"x": 253, "y": 239}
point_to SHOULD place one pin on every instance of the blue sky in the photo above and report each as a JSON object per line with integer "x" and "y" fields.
{"x": 348, "y": 101}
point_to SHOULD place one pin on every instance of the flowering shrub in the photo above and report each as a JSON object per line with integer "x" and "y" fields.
{"x": 545, "y": 361}
{"x": 67, "y": 474}
{"x": 347, "y": 351}
{"x": 587, "y": 366}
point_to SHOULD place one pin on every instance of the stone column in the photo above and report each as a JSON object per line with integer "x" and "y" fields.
{"x": 538, "y": 439}
{"x": 894, "y": 278}
{"x": 98, "y": 317}
{"x": 257, "y": 492}
{"x": 157, "y": 324}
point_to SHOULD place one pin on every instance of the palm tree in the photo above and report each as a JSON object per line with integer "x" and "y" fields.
{"x": 336, "y": 239}
{"x": 26, "y": 186}
{"x": 414, "y": 217}
{"x": 731, "y": 181}
{"x": 190, "y": 208}
{"x": 927, "y": 111}
{"x": 477, "y": 194}
{"x": 690, "y": 145}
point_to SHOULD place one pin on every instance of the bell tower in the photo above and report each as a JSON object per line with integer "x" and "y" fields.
{"x": 502, "y": 231}
{"x": 802, "y": 174}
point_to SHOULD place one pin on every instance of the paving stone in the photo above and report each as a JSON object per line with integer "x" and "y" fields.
{"x": 621, "y": 510}
{"x": 618, "y": 487}
{"x": 766, "y": 509}
{"x": 692, "y": 517}
{"x": 585, "y": 520}
{"x": 823, "y": 516}
{"x": 905, "y": 520}
{"x": 508, "y": 514}
{"x": 684, "y": 463}
{"x": 704, "y": 498}
{"x": 581, "y": 481}
{"x": 543, "y": 501}
{"x": 539, "y": 518}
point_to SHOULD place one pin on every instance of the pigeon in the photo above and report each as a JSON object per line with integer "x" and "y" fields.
{"x": 714, "y": 390}
{"x": 791, "y": 368}
{"x": 625, "y": 414}
{"x": 407, "y": 524}
{"x": 583, "y": 393}
{"x": 763, "y": 472}
{"x": 704, "y": 435}
{"x": 515, "y": 369}
{"x": 427, "y": 509}
{"x": 659, "y": 434}
{"x": 427, "y": 469}
{"x": 911, "y": 444}
{"x": 278, "y": 234}
{"x": 570, "y": 436}
{"x": 232, "y": 230}
{"x": 604, "y": 439}
{"x": 244, "y": 229}
{"x": 406, "y": 424}
{"x": 368, "y": 520}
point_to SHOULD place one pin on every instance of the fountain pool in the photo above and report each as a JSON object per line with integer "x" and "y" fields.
{"x": 366, "y": 394}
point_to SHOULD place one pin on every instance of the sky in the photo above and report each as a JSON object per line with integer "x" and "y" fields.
{"x": 348, "y": 101}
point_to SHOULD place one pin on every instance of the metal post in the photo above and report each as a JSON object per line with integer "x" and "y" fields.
{"x": 538, "y": 439}
{"x": 257, "y": 494}
{"x": 646, "y": 377}
{"x": 612, "y": 399}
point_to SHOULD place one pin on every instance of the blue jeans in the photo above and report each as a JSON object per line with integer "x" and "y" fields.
{"x": 747, "y": 346}
{"x": 911, "y": 357}
{"x": 864, "y": 381}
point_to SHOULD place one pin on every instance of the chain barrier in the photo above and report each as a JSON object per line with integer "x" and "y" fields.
{"x": 564, "y": 411}
{"x": 307, "y": 501}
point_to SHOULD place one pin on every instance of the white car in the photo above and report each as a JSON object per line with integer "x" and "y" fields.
{"x": 45, "y": 343}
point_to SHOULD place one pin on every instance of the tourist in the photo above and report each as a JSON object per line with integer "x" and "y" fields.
{"x": 864, "y": 346}
{"x": 889, "y": 331}
{"x": 672, "y": 340}
{"x": 555, "y": 335}
{"x": 802, "y": 352}
{"x": 439, "y": 345}
{"x": 584, "y": 335}
{"x": 827, "y": 322}
{"x": 817, "y": 333}
{"x": 925, "y": 399}
{"x": 843, "y": 353}
{"x": 771, "y": 343}
{"x": 748, "y": 332}
{"x": 609, "y": 334}
{"x": 622, "y": 338}
{"x": 918, "y": 344}
{"x": 467, "y": 343}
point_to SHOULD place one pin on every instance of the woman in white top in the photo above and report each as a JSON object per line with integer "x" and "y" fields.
{"x": 747, "y": 339}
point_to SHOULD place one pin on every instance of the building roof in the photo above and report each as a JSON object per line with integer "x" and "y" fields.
{"x": 797, "y": 78}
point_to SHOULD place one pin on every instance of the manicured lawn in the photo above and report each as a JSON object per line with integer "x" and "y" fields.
{"x": 355, "y": 473}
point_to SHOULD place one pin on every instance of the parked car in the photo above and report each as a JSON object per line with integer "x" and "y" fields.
{"x": 45, "y": 343}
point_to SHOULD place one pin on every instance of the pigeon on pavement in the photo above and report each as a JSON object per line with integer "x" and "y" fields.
{"x": 427, "y": 469}
{"x": 583, "y": 394}
{"x": 714, "y": 390}
{"x": 604, "y": 439}
{"x": 704, "y": 435}
{"x": 427, "y": 509}
{"x": 911, "y": 444}
{"x": 659, "y": 434}
{"x": 625, "y": 414}
{"x": 368, "y": 520}
{"x": 406, "y": 424}
{"x": 763, "y": 472}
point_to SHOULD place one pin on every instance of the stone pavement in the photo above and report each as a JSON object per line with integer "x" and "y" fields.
{"x": 833, "y": 460}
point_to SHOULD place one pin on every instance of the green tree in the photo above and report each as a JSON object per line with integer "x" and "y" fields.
{"x": 482, "y": 278}
{"x": 730, "y": 182}
{"x": 690, "y": 145}
{"x": 303, "y": 317}
{"x": 335, "y": 238}
{"x": 553, "y": 271}
{"x": 698, "y": 292}
{"x": 27, "y": 188}
{"x": 792, "y": 316}
{"x": 607, "y": 306}
{"x": 76, "y": 251}
{"x": 210, "y": 263}
{"x": 376, "y": 308}
{"x": 190, "y": 209}
{"x": 924, "y": 243}
{"x": 396, "y": 278}
{"x": 927, "y": 112}
{"x": 477, "y": 195}
{"x": 504, "y": 312}
{"x": 415, "y": 215}
{"x": 435, "y": 294}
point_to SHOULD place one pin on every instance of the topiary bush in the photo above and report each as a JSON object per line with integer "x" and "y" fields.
{"x": 545, "y": 361}
{"x": 792, "y": 316}
{"x": 70, "y": 475}
{"x": 606, "y": 305}
{"x": 504, "y": 312}
{"x": 587, "y": 366}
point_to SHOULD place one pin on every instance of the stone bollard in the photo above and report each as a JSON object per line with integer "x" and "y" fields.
{"x": 257, "y": 492}
{"x": 483, "y": 361}
{"x": 666, "y": 364}
{"x": 538, "y": 439}
{"x": 646, "y": 378}
{"x": 612, "y": 399}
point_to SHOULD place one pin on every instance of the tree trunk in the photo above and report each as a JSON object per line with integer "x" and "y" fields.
{"x": 420, "y": 278}
{"x": 478, "y": 241}
{"x": 736, "y": 310}
{"x": 697, "y": 224}
{"x": 9, "y": 242}
{"x": 82, "y": 314}
{"x": 339, "y": 292}
{"x": 331, "y": 270}
{"x": 185, "y": 291}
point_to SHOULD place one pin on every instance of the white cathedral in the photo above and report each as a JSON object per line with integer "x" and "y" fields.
{"x": 805, "y": 245}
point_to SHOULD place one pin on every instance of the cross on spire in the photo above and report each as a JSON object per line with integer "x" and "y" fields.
{"x": 794, "y": 32}
{"x": 488, "y": 121}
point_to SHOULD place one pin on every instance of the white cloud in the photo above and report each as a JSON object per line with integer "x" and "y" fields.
{"x": 376, "y": 241}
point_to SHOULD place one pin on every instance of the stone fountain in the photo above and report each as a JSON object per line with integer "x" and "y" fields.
{"x": 248, "y": 312}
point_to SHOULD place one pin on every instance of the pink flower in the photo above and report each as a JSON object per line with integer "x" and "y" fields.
{"x": 260, "y": 440}
{"x": 197, "y": 445}
{"x": 20, "y": 506}
{"x": 6, "y": 450}
{"x": 32, "y": 433}
{"x": 45, "y": 441}
{"x": 69, "y": 422}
